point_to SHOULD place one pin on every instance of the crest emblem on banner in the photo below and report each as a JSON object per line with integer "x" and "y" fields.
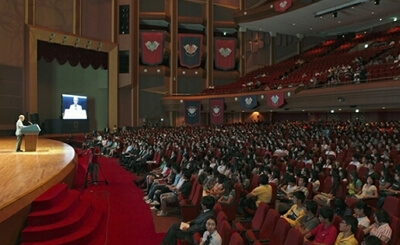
{"x": 225, "y": 51}
{"x": 190, "y": 49}
{"x": 216, "y": 110}
{"x": 192, "y": 110}
{"x": 275, "y": 100}
{"x": 249, "y": 102}
{"x": 152, "y": 46}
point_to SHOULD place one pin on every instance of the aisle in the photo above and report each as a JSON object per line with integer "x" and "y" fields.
{"x": 128, "y": 217}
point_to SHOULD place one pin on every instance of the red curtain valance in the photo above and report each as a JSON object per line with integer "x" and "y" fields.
{"x": 74, "y": 56}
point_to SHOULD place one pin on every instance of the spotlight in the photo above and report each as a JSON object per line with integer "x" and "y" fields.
{"x": 377, "y": 2}
{"x": 334, "y": 14}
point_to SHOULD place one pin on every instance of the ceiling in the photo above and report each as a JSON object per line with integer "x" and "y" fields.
{"x": 362, "y": 16}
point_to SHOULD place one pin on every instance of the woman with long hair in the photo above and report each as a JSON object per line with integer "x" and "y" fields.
{"x": 355, "y": 183}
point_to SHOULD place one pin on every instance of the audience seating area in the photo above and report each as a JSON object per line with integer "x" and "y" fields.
{"x": 333, "y": 62}
{"x": 297, "y": 148}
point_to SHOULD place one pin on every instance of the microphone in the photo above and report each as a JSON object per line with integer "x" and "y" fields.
{"x": 30, "y": 122}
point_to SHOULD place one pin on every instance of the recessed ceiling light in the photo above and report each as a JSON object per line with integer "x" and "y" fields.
{"x": 372, "y": 12}
{"x": 380, "y": 19}
{"x": 294, "y": 24}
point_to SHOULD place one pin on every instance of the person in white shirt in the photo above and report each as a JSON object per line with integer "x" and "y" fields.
{"x": 75, "y": 106}
{"x": 211, "y": 235}
{"x": 18, "y": 133}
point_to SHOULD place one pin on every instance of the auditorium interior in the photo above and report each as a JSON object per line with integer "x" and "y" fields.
{"x": 180, "y": 64}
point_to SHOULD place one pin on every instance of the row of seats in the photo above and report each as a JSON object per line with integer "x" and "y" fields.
{"x": 317, "y": 60}
{"x": 267, "y": 227}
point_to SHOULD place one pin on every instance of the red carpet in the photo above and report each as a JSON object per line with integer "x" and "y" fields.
{"x": 128, "y": 219}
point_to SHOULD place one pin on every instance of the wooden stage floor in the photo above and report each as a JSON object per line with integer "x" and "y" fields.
{"x": 26, "y": 175}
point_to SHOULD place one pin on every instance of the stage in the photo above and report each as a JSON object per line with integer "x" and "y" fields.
{"x": 26, "y": 175}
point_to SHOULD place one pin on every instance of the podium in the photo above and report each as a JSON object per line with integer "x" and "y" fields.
{"x": 31, "y": 136}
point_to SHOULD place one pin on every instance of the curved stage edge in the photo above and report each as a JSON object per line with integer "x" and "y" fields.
{"x": 26, "y": 175}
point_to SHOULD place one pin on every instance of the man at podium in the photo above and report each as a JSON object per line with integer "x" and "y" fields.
{"x": 75, "y": 106}
{"x": 18, "y": 133}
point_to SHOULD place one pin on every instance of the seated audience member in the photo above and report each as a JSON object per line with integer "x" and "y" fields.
{"x": 355, "y": 184}
{"x": 393, "y": 190}
{"x": 340, "y": 208}
{"x": 354, "y": 161}
{"x": 325, "y": 232}
{"x": 285, "y": 194}
{"x": 361, "y": 212}
{"x": 314, "y": 179}
{"x": 261, "y": 193}
{"x": 155, "y": 173}
{"x": 372, "y": 240}
{"x": 159, "y": 184}
{"x": 368, "y": 190}
{"x": 296, "y": 212}
{"x": 324, "y": 199}
{"x": 380, "y": 228}
{"x": 309, "y": 221}
{"x": 211, "y": 235}
{"x": 172, "y": 196}
{"x": 218, "y": 189}
{"x": 229, "y": 195}
{"x": 185, "y": 230}
{"x": 348, "y": 227}
{"x": 371, "y": 171}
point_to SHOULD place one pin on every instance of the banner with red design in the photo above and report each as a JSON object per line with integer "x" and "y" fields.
{"x": 192, "y": 112}
{"x": 152, "y": 45}
{"x": 275, "y": 99}
{"x": 282, "y": 5}
{"x": 217, "y": 111}
{"x": 190, "y": 50}
{"x": 225, "y": 53}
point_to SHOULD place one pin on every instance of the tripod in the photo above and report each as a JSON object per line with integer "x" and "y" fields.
{"x": 90, "y": 169}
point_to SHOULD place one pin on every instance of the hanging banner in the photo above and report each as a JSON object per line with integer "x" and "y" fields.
{"x": 225, "y": 53}
{"x": 282, "y": 5}
{"x": 152, "y": 45}
{"x": 217, "y": 111}
{"x": 192, "y": 112}
{"x": 275, "y": 99}
{"x": 190, "y": 50}
{"x": 249, "y": 101}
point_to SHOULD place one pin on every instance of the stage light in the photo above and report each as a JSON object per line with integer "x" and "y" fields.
{"x": 334, "y": 14}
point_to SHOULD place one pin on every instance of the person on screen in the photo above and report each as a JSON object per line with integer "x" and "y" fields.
{"x": 75, "y": 106}
{"x": 18, "y": 133}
